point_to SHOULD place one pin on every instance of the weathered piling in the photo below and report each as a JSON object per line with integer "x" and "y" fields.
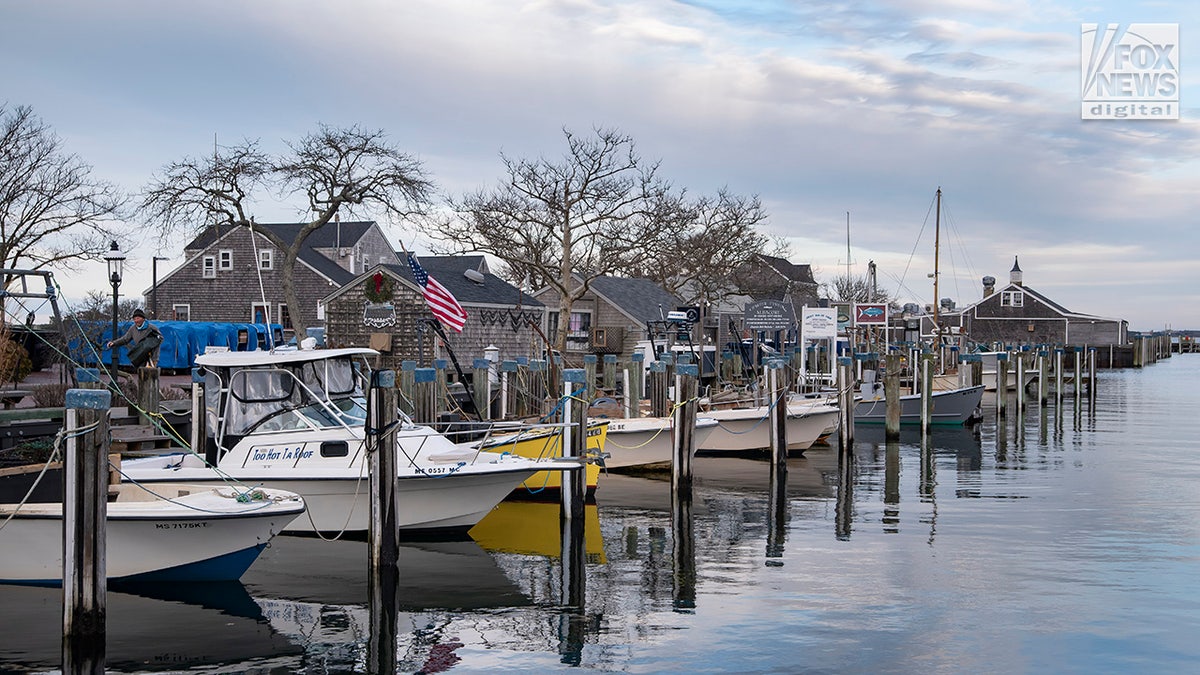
{"x": 539, "y": 388}
{"x": 609, "y": 377}
{"x": 975, "y": 369}
{"x": 1043, "y": 374}
{"x": 1092, "y": 374}
{"x": 891, "y": 396}
{"x": 1001, "y": 384}
{"x": 88, "y": 378}
{"x": 926, "y": 392}
{"x": 481, "y": 389}
{"x": 1058, "y": 375}
{"x": 658, "y": 389}
{"x": 85, "y": 511}
{"x": 148, "y": 394}
{"x": 574, "y": 442}
{"x": 845, "y": 388}
{"x": 407, "y": 397}
{"x": 198, "y": 439}
{"x": 684, "y": 427}
{"x": 1020, "y": 393}
{"x": 589, "y": 370}
{"x": 777, "y": 417}
{"x": 635, "y": 384}
{"x": 1077, "y": 372}
{"x": 383, "y": 535}
{"x": 424, "y": 395}
{"x": 508, "y": 371}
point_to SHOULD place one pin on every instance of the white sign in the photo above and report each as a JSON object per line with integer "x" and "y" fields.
{"x": 1130, "y": 72}
{"x": 818, "y": 323}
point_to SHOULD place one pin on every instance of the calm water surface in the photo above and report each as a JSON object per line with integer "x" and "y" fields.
{"x": 1065, "y": 542}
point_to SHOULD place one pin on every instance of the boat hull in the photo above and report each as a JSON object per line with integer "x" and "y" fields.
{"x": 546, "y": 444}
{"x": 648, "y": 442}
{"x": 188, "y": 537}
{"x": 955, "y": 406}
{"x": 748, "y": 429}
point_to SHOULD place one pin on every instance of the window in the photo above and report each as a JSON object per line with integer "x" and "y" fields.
{"x": 259, "y": 313}
{"x": 266, "y": 259}
{"x": 320, "y": 311}
{"x": 210, "y": 267}
{"x": 579, "y": 330}
{"x": 182, "y": 312}
{"x": 1012, "y": 299}
{"x": 226, "y": 259}
{"x": 284, "y": 319}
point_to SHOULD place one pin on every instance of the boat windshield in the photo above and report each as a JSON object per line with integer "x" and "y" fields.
{"x": 324, "y": 393}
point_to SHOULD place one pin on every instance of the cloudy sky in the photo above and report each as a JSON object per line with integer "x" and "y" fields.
{"x": 821, "y": 108}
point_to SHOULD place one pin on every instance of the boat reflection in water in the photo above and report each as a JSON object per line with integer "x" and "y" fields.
{"x": 150, "y": 626}
{"x": 535, "y": 528}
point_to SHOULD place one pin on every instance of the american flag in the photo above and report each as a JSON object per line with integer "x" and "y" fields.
{"x": 441, "y": 301}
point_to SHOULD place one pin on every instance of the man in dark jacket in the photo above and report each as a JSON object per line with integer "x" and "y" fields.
{"x": 139, "y": 331}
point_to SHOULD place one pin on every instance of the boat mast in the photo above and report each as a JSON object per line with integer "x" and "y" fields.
{"x": 937, "y": 232}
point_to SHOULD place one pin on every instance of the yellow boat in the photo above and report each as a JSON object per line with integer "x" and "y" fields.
{"x": 547, "y": 442}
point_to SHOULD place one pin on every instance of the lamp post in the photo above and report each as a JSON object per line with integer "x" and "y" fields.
{"x": 154, "y": 286}
{"x": 116, "y": 265}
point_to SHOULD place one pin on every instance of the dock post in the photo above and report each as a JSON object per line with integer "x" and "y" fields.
{"x": 574, "y": 442}
{"x": 539, "y": 389}
{"x": 926, "y": 392}
{"x": 976, "y": 369}
{"x": 198, "y": 439}
{"x": 845, "y": 380}
{"x": 609, "y": 378}
{"x": 684, "y": 423}
{"x": 1020, "y": 393}
{"x": 658, "y": 389}
{"x": 481, "y": 388}
{"x": 1001, "y": 383}
{"x": 85, "y": 512}
{"x": 424, "y": 395}
{"x": 589, "y": 370}
{"x": 1058, "y": 375}
{"x": 1077, "y": 372}
{"x": 407, "y": 396}
{"x": 635, "y": 385}
{"x": 777, "y": 417}
{"x": 383, "y": 533}
{"x": 149, "y": 394}
{"x": 891, "y": 396}
{"x": 1092, "y": 374}
{"x": 1043, "y": 374}
{"x": 508, "y": 371}
{"x": 88, "y": 378}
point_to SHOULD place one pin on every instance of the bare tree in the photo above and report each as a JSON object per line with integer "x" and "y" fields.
{"x": 350, "y": 170}
{"x": 698, "y": 261}
{"x": 562, "y": 223}
{"x": 53, "y": 213}
{"x": 854, "y": 288}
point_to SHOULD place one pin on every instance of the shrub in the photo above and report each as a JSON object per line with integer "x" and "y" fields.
{"x": 15, "y": 364}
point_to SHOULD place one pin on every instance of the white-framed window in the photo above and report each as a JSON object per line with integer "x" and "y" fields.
{"x": 266, "y": 259}
{"x": 1012, "y": 299}
{"x": 225, "y": 259}
{"x": 209, "y": 265}
{"x": 182, "y": 312}
{"x": 283, "y": 318}
{"x": 579, "y": 330}
{"x": 260, "y": 313}
{"x": 320, "y": 311}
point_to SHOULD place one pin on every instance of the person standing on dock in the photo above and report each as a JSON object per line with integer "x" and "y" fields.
{"x": 145, "y": 339}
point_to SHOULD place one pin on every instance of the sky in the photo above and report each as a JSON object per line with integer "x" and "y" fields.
{"x": 843, "y": 117}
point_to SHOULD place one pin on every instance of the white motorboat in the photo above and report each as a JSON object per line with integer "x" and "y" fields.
{"x": 294, "y": 420}
{"x": 747, "y": 429}
{"x": 952, "y": 406}
{"x": 648, "y": 442}
{"x": 167, "y": 532}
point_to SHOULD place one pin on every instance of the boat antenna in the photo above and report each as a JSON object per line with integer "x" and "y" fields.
{"x": 261, "y": 288}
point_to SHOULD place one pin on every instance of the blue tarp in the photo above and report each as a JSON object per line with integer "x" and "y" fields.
{"x": 182, "y": 341}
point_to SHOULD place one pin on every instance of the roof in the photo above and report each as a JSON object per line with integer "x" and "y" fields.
{"x": 1040, "y": 297}
{"x": 641, "y": 299}
{"x": 277, "y": 357}
{"x": 448, "y": 271}
{"x": 788, "y": 269}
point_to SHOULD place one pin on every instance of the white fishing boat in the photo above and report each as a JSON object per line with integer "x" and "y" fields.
{"x": 952, "y": 406}
{"x": 168, "y": 532}
{"x": 748, "y": 429}
{"x": 295, "y": 420}
{"x": 648, "y": 442}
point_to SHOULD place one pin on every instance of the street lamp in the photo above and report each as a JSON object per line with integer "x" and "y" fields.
{"x": 116, "y": 265}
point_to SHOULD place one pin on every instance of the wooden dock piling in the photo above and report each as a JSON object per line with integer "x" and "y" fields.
{"x": 85, "y": 512}
{"x": 684, "y": 423}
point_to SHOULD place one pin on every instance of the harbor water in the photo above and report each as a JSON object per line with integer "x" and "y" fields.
{"x": 1062, "y": 540}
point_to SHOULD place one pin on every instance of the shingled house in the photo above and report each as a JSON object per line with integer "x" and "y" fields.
{"x": 1018, "y": 314}
{"x": 612, "y": 317}
{"x": 219, "y": 279}
{"x": 396, "y": 323}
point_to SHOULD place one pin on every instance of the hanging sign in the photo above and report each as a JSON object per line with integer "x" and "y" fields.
{"x": 870, "y": 314}
{"x": 768, "y": 315}
{"x": 818, "y": 323}
{"x": 379, "y": 314}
